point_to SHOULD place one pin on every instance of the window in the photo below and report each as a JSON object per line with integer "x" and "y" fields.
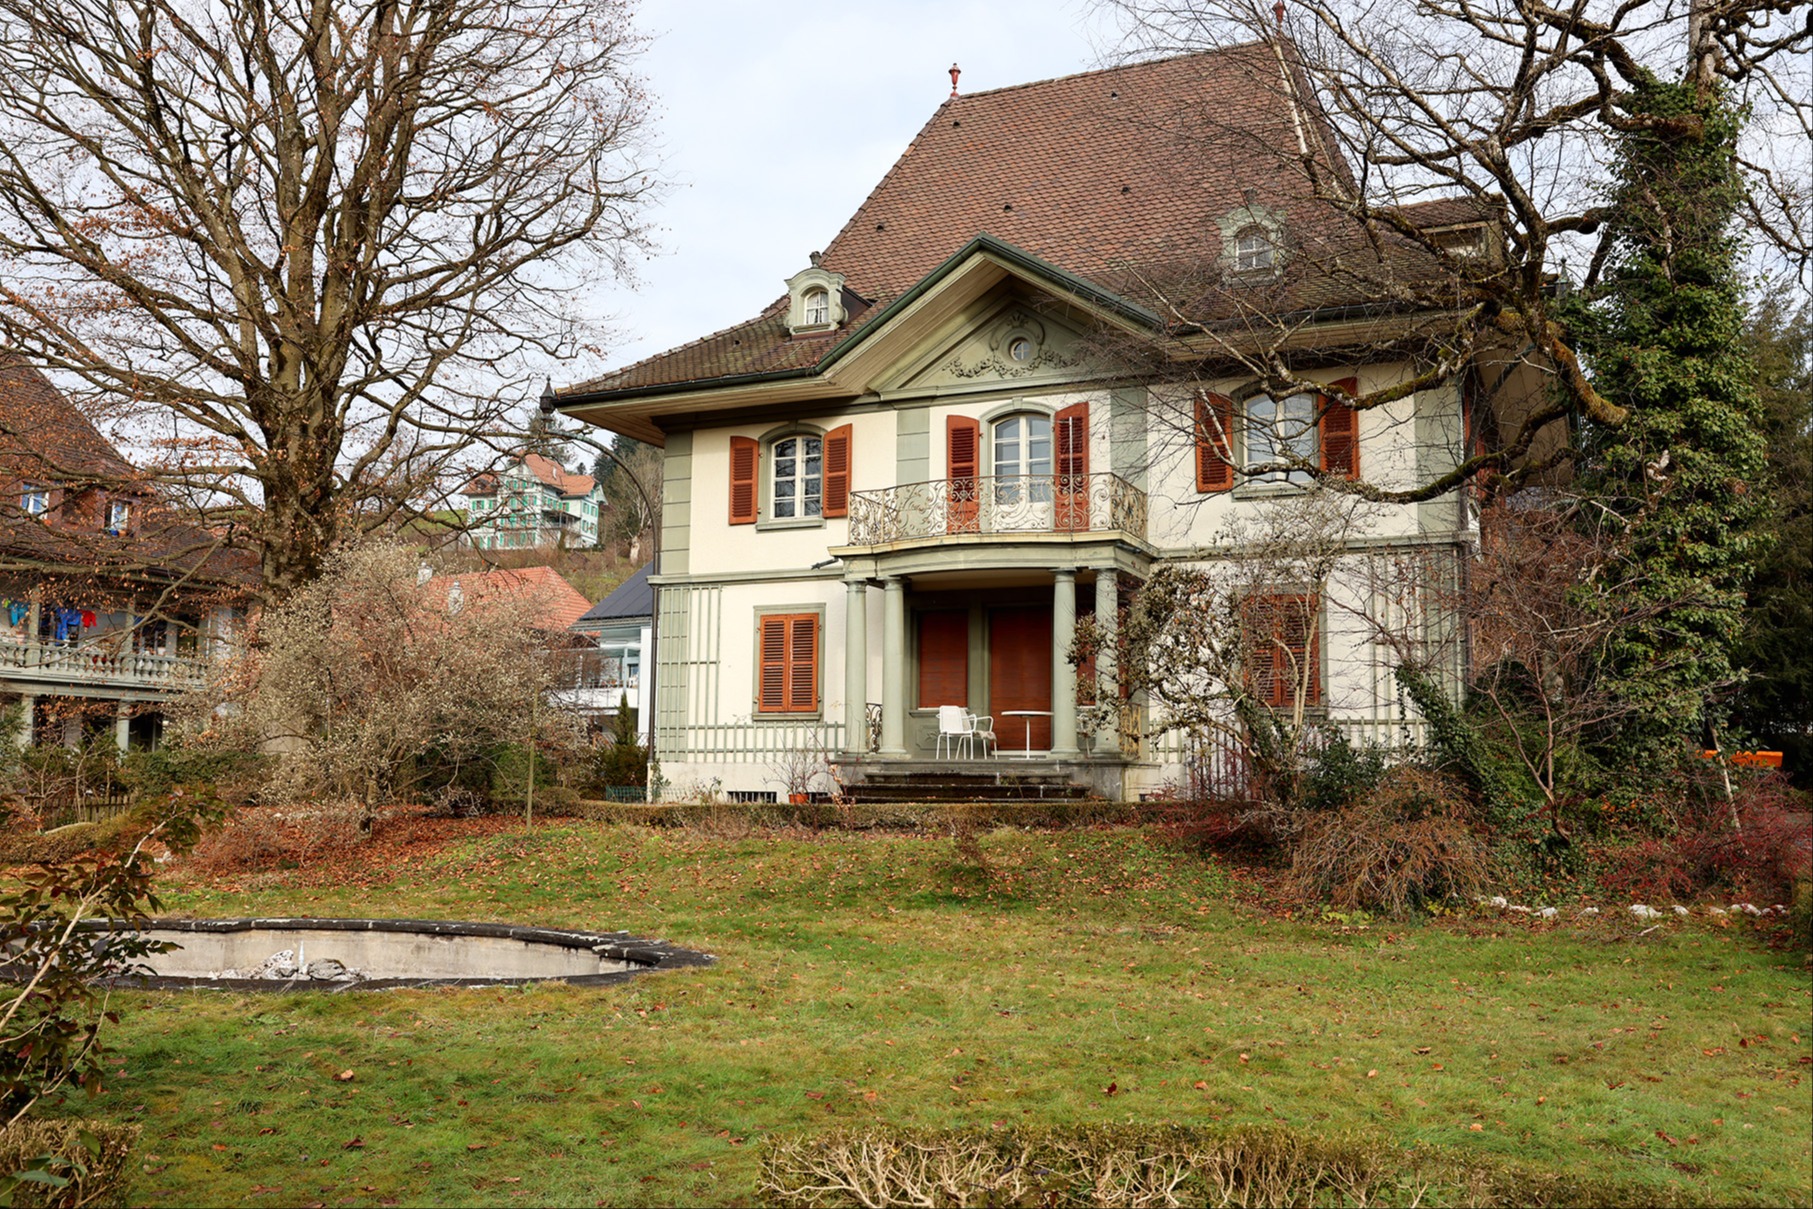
{"x": 1253, "y": 251}
{"x": 1283, "y": 654}
{"x": 34, "y": 501}
{"x": 816, "y": 307}
{"x": 1278, "y": 433}
{"x": 1020, "y": 349}
{"x": 119, "y": 515}
{"x": 787, "y": 658}
{"x": 1023, "y": 459}
{"x": 798, "y": 478}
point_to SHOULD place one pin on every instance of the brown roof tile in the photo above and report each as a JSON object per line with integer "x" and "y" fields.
{"x": 1117, "y": 176}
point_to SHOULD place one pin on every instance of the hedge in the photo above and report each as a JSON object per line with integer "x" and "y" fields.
{"x": 97, "y": 1168}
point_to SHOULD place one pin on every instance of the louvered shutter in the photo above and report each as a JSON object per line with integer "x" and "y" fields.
{"x": 802, "y": 664}
{"x": 745, "y": 458}
{"x": 771, "y": 682}
{"x": 963, "y": 449}
{"x": 1070, "y": 439}
{"x": 1261, "y": 648}
{"x": 1214, "y": 443}
{"x": 1341, "y": 433}
{"x": 837, "y": 472}
{"x": 1300, "y": 665}
{"x": 943, "y": 658}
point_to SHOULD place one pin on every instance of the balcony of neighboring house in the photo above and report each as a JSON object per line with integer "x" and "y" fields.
{"x": 986, "y": 509}
{"x": 75, "y": 663}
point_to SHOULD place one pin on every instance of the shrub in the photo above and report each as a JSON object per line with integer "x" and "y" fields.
{"x": 266, "y": 837}
{"x": 235, "y": 775}
{"x": 1149, "y": 1165}
{"x": 1339, "y": 774}
{"x": 1761, "y": 858}
{"x": 91, "y": 1159}
{"x": 1407, "y": 842}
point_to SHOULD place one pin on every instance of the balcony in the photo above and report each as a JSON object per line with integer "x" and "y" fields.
{"x": 93, "y": 665}
{"x": 998, "y": 505}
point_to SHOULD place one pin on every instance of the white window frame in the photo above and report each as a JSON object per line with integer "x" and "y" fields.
{"x": 119, "y": 515}
{"x": 815, "y": 307}
{"x": 1255, "y": 251}
{"x": 35, "y": 501}
{"x": 1025, "y": 479}
{"x": 808, "y": 488}
{"x": 1267, "y": 430}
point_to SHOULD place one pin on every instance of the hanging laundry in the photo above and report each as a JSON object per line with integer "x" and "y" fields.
{"x": 17, "y": 611}
{"x": 88, "y": 619}
{"x": 66, "y": 620}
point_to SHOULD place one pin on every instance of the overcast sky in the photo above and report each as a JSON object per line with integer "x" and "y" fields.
{"x": 775, "y": 121}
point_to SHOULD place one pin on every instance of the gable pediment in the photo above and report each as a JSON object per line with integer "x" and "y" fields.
{"x": 1008, "y": 343}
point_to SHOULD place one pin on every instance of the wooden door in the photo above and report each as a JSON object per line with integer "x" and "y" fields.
{"x": 1019, "y": 673}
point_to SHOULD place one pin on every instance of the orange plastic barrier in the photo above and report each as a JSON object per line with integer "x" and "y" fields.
{"x": 1749, "y": 759}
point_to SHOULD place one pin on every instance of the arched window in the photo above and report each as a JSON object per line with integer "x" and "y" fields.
{"x": 815, "y": 307}
{"x": 1022, "y": 467}
{"x": 799, "y": 482}
{"x": 1253, "y": 252}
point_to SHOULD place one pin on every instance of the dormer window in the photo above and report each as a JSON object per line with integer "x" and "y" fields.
{"x": 34, "y": 501}
{"x": 1253, "y": 251}
{"x": 119, "y": 515}
{"x": 814, "y": 300}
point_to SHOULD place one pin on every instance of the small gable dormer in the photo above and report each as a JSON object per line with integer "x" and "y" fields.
{"x": 815, "y": 300}
{"x": 1252, "y": 242}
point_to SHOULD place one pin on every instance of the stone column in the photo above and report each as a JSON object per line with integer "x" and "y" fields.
{"x": 1107, "y": 690}
{"x": 1063, "y": 676}
{"x": 856, "y": 667}
{"x": 122, "y": 725}
{"x": 893, "y": 667}
{"x": 28, "y": 710}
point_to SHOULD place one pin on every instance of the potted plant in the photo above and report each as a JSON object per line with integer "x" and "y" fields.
{"x": 798, "y": 770}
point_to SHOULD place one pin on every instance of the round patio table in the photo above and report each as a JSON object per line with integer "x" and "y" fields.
{"x": 1029, "y": 715}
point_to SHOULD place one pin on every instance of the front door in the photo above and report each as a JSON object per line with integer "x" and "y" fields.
{"x": 1019, "y": 674}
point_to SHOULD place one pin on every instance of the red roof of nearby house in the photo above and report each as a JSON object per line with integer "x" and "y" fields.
{"x": 45, "y": 438}
{"x": 556, "y": 604}
{"x": 545, "y": 470}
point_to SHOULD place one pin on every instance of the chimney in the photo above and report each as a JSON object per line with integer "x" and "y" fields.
{"x": 1278, "y": 11}
{"x": 955, "y": 72}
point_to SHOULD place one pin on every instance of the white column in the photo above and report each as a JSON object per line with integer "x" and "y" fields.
{"x": 28, "y": 709}
{"x": 893, "y": 668}
{"x": 122, "y": 725}
{"x": 1063, "y": 676}
{"x": 856, "y": 667}
{"x": 1107, "y": 688}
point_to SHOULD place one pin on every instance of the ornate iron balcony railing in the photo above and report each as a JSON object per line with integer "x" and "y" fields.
{"x": 998, "y": 504}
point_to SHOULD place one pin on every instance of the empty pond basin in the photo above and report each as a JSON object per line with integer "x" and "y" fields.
{"x": 371, "y": 954}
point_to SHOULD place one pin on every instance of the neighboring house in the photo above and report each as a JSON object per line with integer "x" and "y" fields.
{"x": 534, "y": 501}
{"x": 900, "y": 485}
{"x": 109, "y": 605}
{"x": 550, "y": 603}
{"x": 620, "y": 626}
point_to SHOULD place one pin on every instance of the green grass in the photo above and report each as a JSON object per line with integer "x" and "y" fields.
{"x": 1097, "y": 976}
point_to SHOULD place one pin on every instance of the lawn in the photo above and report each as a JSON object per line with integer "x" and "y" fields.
{"x": 1092, "y": 976}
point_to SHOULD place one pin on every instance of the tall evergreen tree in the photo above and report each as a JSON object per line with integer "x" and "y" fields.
{"x": 1680, "y": 483}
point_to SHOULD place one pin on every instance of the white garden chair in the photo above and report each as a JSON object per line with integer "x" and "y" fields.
{"x": 953, "y": 730}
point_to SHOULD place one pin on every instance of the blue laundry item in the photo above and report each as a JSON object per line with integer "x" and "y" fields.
{"x": 17, "y": 611}
{"x": 65, "y": 621}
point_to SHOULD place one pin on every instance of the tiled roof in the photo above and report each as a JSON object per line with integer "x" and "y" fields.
{"x": 557, "y": 604}
{"x": 543, "y": 469}
{"x": 631, "y": 598}
{"x": 45, "y": 439}
{"x": 1117, "y": 176}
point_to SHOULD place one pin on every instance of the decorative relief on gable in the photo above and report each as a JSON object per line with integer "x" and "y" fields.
{"x": 1016, "y": 345}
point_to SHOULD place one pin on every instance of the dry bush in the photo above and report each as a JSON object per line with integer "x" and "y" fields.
{"x": 1407, "y": 842}
{"x": 1149, "y": 1165}
{"x": 1756, "y": 847}
{"x": 266, "y": 837}
{"x": 104, "y": 1171}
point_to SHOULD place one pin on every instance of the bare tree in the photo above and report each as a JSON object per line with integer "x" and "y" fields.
{"x": 367, "y": 670}
{"x": 1443, "y": 175}
{"x": 303, "y": 248}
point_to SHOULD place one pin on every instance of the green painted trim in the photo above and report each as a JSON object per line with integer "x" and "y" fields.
{"x": 913, "y": 445}
{"x": 1128, "y": 441}
{"x": 676, "y": 505}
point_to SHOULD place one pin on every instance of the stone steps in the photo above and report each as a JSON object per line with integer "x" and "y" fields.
{"x": 946, "y": 785}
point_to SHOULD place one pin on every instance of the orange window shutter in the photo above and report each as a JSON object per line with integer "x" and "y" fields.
{"x": 802, "y": 664}
{"x": 837, "y": 472}
{"x": 963, "y": 450}
{"x": 1341, "y": 433}
{"x": 771, "y": 680}
{"x": 943, "y": 658}
{"x": 745, "y": 457}
{"x": 1298, "y": 654}
{"x": 1214, "y": 443}
{"x": 1070, "y": 438}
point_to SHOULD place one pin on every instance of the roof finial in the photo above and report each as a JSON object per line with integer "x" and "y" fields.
{"x": 955, "y": 72}
{"x": 1278, "y": 11}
